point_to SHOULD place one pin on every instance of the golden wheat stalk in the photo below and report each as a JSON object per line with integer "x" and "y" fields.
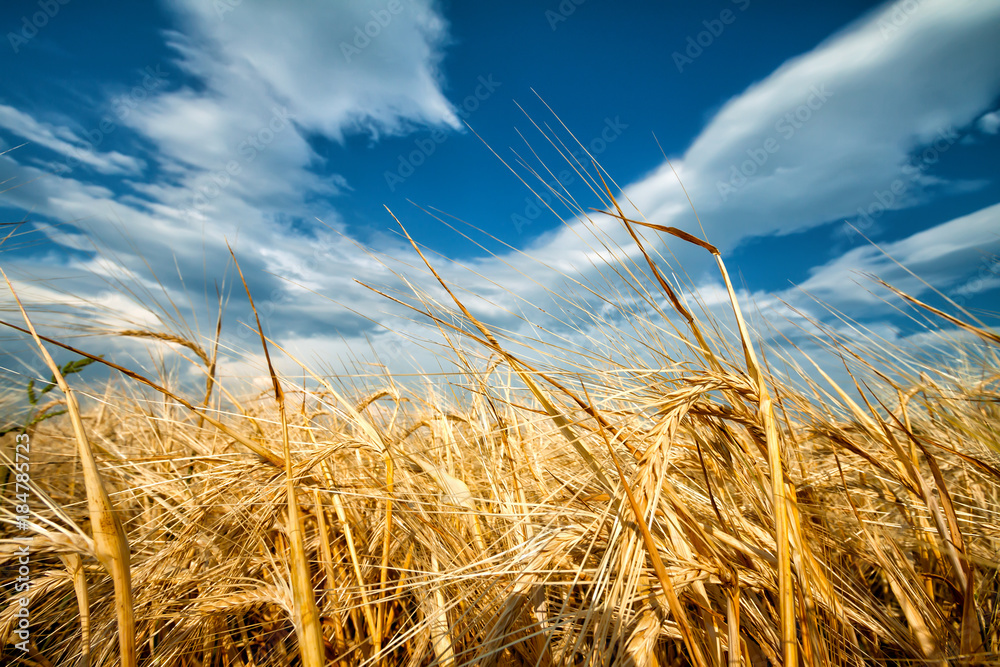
{"x": 111, "y": 545}
{"x": 307, "y": 624}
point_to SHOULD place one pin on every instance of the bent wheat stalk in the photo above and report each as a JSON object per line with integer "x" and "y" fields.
{"x": 110, "y": 543}
{"x": 786, "y": 608}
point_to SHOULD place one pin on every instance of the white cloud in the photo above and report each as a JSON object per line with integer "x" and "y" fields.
{"x": 945, "y": 256}
{"x": 306, "y": 55}
{"x": 270, "y": 73}
{"x": 67, "y": 143}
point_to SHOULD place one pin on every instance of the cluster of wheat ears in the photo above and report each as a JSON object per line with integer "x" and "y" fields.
{"x": 572, "y": 511}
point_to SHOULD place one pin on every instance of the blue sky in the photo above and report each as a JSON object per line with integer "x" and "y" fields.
{"x": 138, "y": 138}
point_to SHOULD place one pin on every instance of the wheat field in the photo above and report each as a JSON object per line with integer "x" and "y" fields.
{"x": 699, "y": 510}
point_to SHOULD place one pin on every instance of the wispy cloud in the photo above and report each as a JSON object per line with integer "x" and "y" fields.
{"x": 945, "y": 256}
{"x": 67, "y": 143}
